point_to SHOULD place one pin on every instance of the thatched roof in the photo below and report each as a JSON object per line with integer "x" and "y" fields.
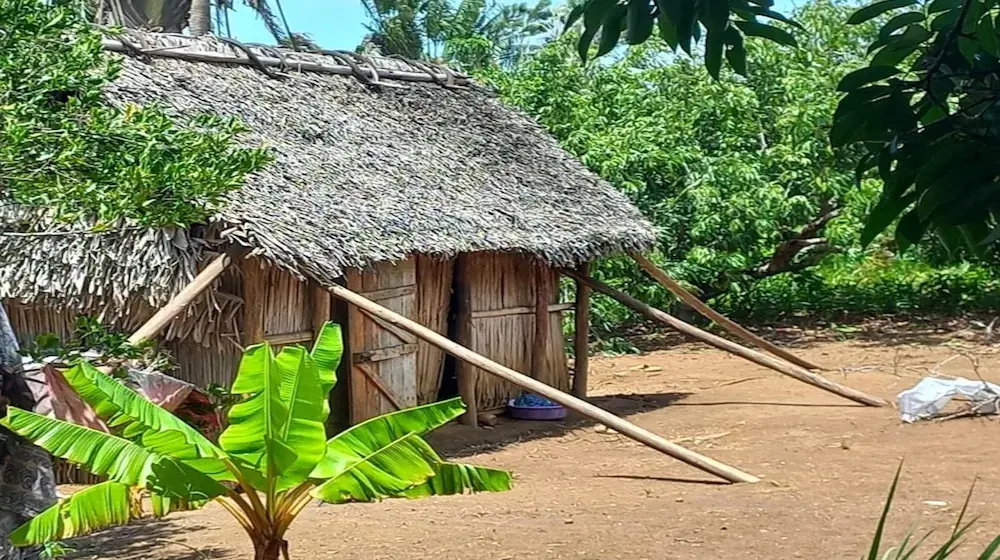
{"x": 362, "y": 174}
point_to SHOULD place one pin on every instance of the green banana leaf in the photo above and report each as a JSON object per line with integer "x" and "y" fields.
{"x": 163, "y": 505}
{"x": 255, "y": 424}
{"x": 327, "y": 352}
{"x": 457, "y": 478}
{"x": 364, "y": 438}
{"x": 140, "y": 420}
{"x": 91, "y": 509}
{"x": 304, "y": 427}
{"x": 122, "y": 407}
{"x": 120, "y": 459}
{"x": 385, "y": 472}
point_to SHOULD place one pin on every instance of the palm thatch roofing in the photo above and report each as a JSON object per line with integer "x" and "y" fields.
{"x": 423, "y": 161}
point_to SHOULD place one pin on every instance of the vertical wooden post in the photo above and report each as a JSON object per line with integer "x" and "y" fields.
{"x": 540, "y": 345}
{"x": 254, "y": 301}
{"x": 465, "y": 372}
{"x": 581, "y": 334}
{"x": 320, "y": 301}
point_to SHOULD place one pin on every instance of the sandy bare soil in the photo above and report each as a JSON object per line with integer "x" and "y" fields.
{"x": 585, "y": 494}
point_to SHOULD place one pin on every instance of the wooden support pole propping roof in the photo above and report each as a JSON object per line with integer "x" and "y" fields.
{"x": 687, "y": 297}
{"x": 758, "y": 358}
{"x": 581, "y": 335}
{"x": 179, "y": 303}
{"x": 598, "y": 414}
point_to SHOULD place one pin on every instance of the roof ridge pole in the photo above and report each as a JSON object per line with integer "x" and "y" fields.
{"x": 733, "y": 327}
{"x": 754, "y": 356}
{"x": 593, "y": 412}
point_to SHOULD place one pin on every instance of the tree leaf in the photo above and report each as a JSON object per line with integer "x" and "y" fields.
{"x": 899, "y": 22}
{"x": 736, "y": 54}
{"x": 714, "y": 47}
{"x": 901, "y": 46}
{"x": 686, "y": 23}
{"x": 884, "y": 213}
{"x": 910, "y": 230}
{"x": 865, "y": 76}
{"x": 593, "y": 18}
{"x": 987, "y": 36}
{"x": 88, "y": 510}
{"x": 670, "y": 12}
{"x": 611, "y": 30}
{"x": 872, "y": 11}
{"x": 640, "y": 22}
{"x": 574, "y": 15}
{"x": 326, "y": 354}
{"x": 716, "y": 15}
{"x": 753, "y": 29}
{"x": 943, "y": 6}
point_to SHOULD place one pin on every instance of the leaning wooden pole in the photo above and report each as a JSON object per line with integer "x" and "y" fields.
{"x": 590, "y": 411}
{"x": 687, "y": 297}
{"x": 175, "y": 306}
{"x": 758, "y": 358}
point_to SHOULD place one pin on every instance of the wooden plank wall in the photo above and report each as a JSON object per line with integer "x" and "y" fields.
{"x": 383, "y": 360}
{"x": 503, "y": 323}
{"x": 434, "y": 278}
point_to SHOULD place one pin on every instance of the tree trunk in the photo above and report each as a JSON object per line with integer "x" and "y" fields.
{"x": 270, "y": 550}
{"x": 200, "y": 20}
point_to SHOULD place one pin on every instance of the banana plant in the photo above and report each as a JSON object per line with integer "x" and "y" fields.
{"x": 270, "y": 462}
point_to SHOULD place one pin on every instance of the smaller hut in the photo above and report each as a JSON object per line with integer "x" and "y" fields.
{"x": 406, "y": 183}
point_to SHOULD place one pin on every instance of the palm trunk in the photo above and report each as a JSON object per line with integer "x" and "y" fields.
{"x": 270, "y": 550}
{"x": 200, "y": 20}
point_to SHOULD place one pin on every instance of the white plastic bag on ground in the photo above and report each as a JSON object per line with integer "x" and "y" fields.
{"x": 932, "y": 394}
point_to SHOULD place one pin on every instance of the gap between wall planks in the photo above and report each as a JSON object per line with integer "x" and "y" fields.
{"x": 733, "y": 327}
{"x": 598, "y": 414}
{"x": 754, "y": 356}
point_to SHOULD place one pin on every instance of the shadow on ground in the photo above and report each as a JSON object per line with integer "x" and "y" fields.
{"x": 144, "y": 539}
{"x": 459, "y": 441}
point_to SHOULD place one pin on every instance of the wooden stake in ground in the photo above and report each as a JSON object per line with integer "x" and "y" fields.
{"x": 719, "y": 319}
{"x": 590, "y": 411}
{"x": 175, "y": 306}
{"x": 758, "y": 358}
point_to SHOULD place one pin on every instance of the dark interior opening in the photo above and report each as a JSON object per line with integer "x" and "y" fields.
{"x": 449, "y": 376}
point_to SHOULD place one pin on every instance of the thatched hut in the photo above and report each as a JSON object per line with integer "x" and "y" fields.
{"x": 409, "y": 190}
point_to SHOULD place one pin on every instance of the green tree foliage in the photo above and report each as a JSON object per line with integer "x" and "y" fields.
{"x": 63, "y": 147}
{"x": 926, "y": 110}
{"x": 721, "y": 26}
{"x": 471, "y": 34}
{"x": 738, "y": 174}
{"x": 274, "y": 450}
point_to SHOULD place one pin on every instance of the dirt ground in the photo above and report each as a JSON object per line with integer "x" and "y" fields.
{"x": 581, "y": 493}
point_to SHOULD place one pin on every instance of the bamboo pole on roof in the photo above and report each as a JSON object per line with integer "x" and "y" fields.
{"x": 687, "y": 297}
{"x": 758, "y": 358}
{"x": 472, "y": 358}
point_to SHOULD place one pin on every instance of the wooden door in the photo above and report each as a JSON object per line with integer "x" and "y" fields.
{"x": 383, "y": 358}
